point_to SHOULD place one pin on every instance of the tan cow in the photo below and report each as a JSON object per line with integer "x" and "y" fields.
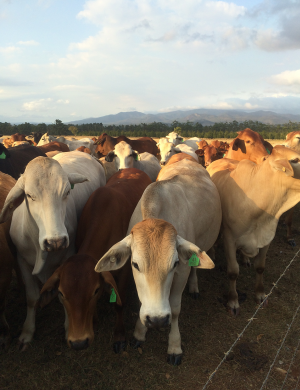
{"x": 161, "y": 240}
{"x": 251, "y": 210}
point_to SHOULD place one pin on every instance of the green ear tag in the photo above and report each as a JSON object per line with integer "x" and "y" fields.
{"x": 2, "y": 156}
{"x": 113, "y": 296}
{"x": 266, "y": 150}
{"x": 193, "y": 260}
{"x": 72, "y": 186}
{"x": 137, "y": 157}
{"x": 224, "y": 155}
{"x": 182, "y": 141}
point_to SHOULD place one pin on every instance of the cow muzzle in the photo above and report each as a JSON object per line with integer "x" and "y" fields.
{"x": 55, "y": 244}
{"x": 79, "y": 344}
{"x": 157, "y": 322}
{"x": 162, "y": 163}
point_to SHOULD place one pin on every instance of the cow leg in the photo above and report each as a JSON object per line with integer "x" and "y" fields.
{"x": 193, "y": 283}
{"x": 174, "y": 346}
{"x": 289, "y": 221}
{"x": 259, "y": 265}
{"x": 5, "y": 279}
{"x": 139, "y": 334}
{"x": 32, "y": 297}
{"x": 233, "y": 273}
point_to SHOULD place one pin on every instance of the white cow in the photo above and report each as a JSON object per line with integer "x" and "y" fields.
{"x": 161, "y": 241}
{"x": 73, "y": 145}
{"x": 125, "y": 157}
{"x": 192, "y": 142}
{"x": 167, "y": 150}
{"x": 174, "y": 138}
{"x": 45, "y": 212}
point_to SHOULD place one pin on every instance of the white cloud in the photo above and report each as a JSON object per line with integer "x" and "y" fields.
{"x": 229, "y": 9}
{"x": 64, "y": 87}
{"x": 62, "y": 101}
{"x": 289, "y": 77}
{"x": 250, "y": 106}
{"x": 28, "y": 43}
{"x": 38, "y": 105}
{"x": 9, "y": 49}
{"x": 221, "y": 105}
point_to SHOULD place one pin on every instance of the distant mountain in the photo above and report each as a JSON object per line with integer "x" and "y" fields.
{"x": 202, "y": 115}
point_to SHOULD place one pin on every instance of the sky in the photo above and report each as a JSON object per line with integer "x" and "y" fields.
{"x": 76, "y": 59}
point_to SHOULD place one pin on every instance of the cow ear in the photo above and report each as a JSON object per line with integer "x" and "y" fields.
{"x": 13, "y": 200}
{"x": 50, "y": 288}
{"x": 283, "y": 165}
{"x": 75, "y": 178}
{"x": 116, "y": 257}
{"x": 187, "y": 250}
{"x": 200, "y": 152}
{"x": 110, "y": 156}
{"x": 109, "y": 279}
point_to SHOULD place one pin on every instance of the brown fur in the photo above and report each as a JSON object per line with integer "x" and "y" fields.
{"x": 54, "y": 146}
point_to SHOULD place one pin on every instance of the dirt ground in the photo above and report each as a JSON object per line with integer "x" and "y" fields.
{"x": 207, "y": 332}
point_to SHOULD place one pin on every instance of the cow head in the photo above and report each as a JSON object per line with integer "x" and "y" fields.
{"x": 45, "y": 188}
{"x": 174, "y": 138}
{"x": 167, "y": 150}
{"x": 45, "y": 139}
{"x": 293, "y": 140}
{"x": 123, "y": 155}
{"x": 209, "y": 154}
{"x": 157, "y": 253}
{"x": 78, "y": 287}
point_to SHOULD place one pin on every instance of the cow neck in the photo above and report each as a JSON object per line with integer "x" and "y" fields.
{"x": 272, "y": 191}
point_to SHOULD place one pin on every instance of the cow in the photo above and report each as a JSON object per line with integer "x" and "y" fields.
{"x": 13, "y": 161}
{"x": 7, "y": 259}
{"x": 174, "y": 159}
{"x": 109, "y": 168}
{"x": 36, "y": 135}
{"x": 250, "y": 215}
{"x": 105, "y": 143}
{"x": 104, "y": 222}
{"x": 248, "y": 145}
{"x": 8, "y": 142}
{"x": 209, "y": 153}
{"x": 84, "y": 150}
{"x": 125, "y": 157}
{"x": 163, "y": 245}
{"x": 45, "y": 204}
{"x": 293, "y": 140}
{"x": 17, "y": 143}
{"x": 73, "y": 145}
{"x": 54, "y": 146}
{"x": 174, "y": 138}
{"x": 167, "y": 150}
{"x": 192, "y": 142}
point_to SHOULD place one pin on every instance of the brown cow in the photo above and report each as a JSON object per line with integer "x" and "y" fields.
{"x": 7, "y": 258}
{"x": 248, "y": 145}
{"x": 14, "y": 138}
{"x": 54, "y": 146}
{"x": 84, "y": 150}
{"x": 106, "y": 143}
{"x": 209, "y": 153}
{"x": 104, "y": 221}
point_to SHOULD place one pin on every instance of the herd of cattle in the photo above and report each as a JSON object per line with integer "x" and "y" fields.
{"x": 78, "y": 216}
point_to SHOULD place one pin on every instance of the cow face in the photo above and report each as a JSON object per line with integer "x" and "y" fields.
{"x": 167, "y": 150}
{"x": 157, "y": 254}
{"x": 45, "y": 139}
{"x": 123, "y": 155}
{"x": 78, "y": 287}
{"x": 174, "y": 138}
{"x": 45, "y": 188}
{"x": 293, "y": 141}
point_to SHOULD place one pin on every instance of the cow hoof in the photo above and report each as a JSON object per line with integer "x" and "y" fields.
{"x": 119, "y": 346}
{"x": 134, "y": 343}
{"x": 194, "y": 295}
{"x": 174, "y": 360}
{"x": 265, "y": 304}
{"x": 233, "y": 311}
{"x": 292, "y": 242}
{"x": 22, "y": 346}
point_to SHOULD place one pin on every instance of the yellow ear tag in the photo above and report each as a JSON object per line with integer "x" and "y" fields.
{"x": 283, "y": 169}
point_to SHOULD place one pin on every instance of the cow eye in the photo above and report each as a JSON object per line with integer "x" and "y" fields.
{"x": 96, "y": 291}
{"x": 60, "y": 294}
{"x": 176, "y": 263}
{"x": 247, "y": 142}
{"x": 30, "y": 197}
{"x": 135, "y": 266}
{"x": 295, "y": 160}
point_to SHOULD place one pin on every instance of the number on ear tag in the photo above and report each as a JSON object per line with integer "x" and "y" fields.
{"x": 2, "y": 156}
{"x": 72, "y": 186}
{"x": 193, "y": 260}
{"x": 113, "y": 296}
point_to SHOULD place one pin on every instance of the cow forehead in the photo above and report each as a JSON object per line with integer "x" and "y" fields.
{"x": 154, "y": 240}
{"x": 44, "y": 170}
{"x": 249, "y": 133}
{"x": 166, "y": 147}
{"x": 123, "y": 149}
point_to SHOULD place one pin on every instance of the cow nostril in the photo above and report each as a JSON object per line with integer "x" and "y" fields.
{"x": 79, "y": 344}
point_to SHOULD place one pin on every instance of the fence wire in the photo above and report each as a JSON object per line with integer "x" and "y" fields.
{"x": 250, "y": 322}
{"x": 290, "y": 366}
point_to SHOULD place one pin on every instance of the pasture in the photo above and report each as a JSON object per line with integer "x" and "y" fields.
{"x": 207, "y": 332}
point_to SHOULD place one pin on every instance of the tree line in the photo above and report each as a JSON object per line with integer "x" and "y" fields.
{"x": 155, "y": 129}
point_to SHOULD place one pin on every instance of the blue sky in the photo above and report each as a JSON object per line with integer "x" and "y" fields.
{"x": 77, "y": 59}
